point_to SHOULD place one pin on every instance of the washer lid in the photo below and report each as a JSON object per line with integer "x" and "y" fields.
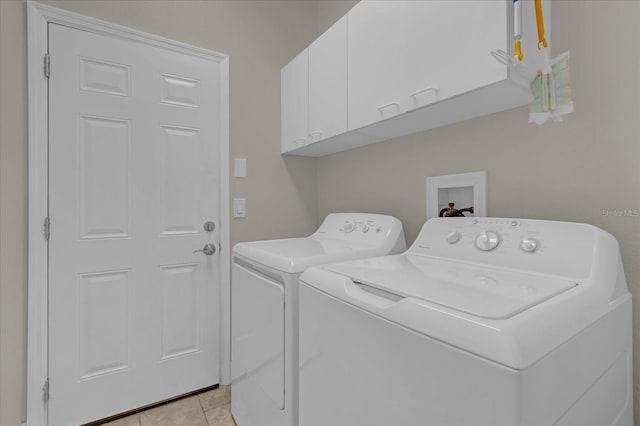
{"x": 294, "y": 255}
{"x": 477, "y": 290}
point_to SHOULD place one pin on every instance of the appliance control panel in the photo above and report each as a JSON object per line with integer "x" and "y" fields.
{"x": 360, "y": 227}
{"x": 542, "y": 246}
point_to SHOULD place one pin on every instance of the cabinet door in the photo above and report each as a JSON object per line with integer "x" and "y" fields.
{"x": 407, "y": 54}
{"x": 374, "y": 43}
{"x": 328, "y": 83}
{"x": 449, "y": 42}
{"x": 294, "y": 86}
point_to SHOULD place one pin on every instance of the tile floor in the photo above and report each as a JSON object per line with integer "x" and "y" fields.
{"x": 211, "y": 408}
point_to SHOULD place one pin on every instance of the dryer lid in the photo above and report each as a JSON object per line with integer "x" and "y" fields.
{"x": 294, "y": 255}
{"x": 478, "y": 290}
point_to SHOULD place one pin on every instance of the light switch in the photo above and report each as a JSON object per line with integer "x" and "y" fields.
{"x": 239, "y": 207}
{"x": 240, "y": 167}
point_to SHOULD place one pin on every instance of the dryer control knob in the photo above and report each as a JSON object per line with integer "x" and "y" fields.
{"x": 453, "y": 237}
{"x": 487, "y": 240}
{"x": 529, "y": 245}
{"x": 349, "y": 226}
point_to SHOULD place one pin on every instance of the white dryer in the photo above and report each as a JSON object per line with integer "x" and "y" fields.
{"x": 264, "y": 294}
{"x": 483, "y": 321}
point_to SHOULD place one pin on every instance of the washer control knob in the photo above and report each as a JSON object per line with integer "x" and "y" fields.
{"x": 529, "y": 245}
{"x": 365, "y": 228}
{"x": 349, "y": 226}
{"x": 453, "y": 237}
{"x": 487, "y": 240}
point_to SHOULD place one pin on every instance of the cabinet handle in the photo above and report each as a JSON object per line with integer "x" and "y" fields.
{"x": 503, "y": 57}
{"x": 315, "y": 133}
{"x": 415, "y": 95}
{"x": 299, "y": 142}
{"x": 428, "y": 89}
{"x": 380, "y": 108}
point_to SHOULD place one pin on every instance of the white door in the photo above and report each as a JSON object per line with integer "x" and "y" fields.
{"x": 133, "y": 311}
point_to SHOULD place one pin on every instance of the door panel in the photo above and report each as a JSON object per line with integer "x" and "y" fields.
{"x": 104, "y": 77}
{"x": 105, "y": 173}
{"x": 179, "y": 146}
{"x": 103, "y": 311}
{"x": 134, "y": 134}
{"x": 179, "y": 91}
{"x": 179, "y": 311}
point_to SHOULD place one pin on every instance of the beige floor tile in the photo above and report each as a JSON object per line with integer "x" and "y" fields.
{"x": 184, "y": 412}
{"x": 125, "y": 421}
{"x": 220, "y": 416}
{"x": 215, "y": 398}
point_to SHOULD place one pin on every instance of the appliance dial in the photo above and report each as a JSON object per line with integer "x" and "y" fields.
{"x": 453, "y": 237}
{"x": 529, "y": 245}
{"x": 365, "y": 228}
{"x": 487, "y": 240}
{"x": 349, "y": 226}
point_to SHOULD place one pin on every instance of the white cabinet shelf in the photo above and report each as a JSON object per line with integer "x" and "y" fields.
{"x": 413, "y": 66}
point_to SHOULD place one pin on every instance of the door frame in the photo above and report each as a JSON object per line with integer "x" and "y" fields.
{"x": 38, "y": 18}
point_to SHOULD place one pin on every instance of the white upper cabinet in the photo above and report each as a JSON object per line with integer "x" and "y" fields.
{"x": 395, "y": 67}
{"x": 405, "y": 55}
{"x": 314, "y": 90}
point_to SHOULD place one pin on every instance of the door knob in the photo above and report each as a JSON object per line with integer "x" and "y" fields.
{"x": 208, "y": 249}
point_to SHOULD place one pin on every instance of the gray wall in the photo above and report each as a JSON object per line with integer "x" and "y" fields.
{"x": 570, "y": 171}
{"x": 260, "y": 37}
{"x": 13, "y": 212}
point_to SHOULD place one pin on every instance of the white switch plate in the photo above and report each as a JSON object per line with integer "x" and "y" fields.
{"x": 240, "y": 167}
{"x": 239, "y": 207}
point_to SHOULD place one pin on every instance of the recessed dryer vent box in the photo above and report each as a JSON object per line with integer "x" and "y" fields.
{"x": 464, "y": 189}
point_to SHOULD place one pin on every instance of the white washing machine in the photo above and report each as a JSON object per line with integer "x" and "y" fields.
{"x": 264, "y": 294}
{"x": 483, "y": 321}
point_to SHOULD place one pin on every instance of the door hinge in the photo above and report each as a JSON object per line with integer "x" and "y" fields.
{"x": 47, "y": 228}
{"x": 45, "y": 391}
{"x": 47, "y": 65}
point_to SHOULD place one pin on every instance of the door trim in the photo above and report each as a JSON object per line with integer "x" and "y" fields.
{"x": 38, "y": 18}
